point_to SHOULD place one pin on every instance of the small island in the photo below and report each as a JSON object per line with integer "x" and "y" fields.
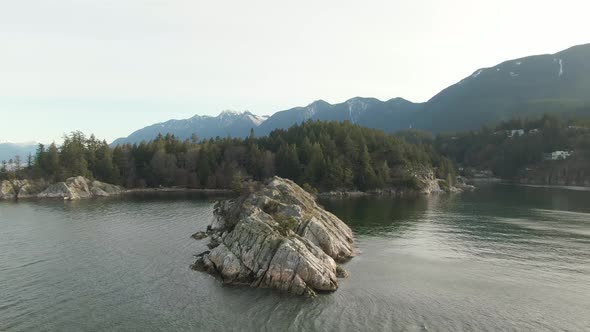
{"x": 276, "y": 236}
{"x": 73, "y": 188}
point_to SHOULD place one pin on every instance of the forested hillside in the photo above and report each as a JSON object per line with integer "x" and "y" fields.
{"x": 514, "y": 148}
{"x": 324, "y": 155}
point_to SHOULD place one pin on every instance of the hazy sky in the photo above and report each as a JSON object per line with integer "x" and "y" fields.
{"x": 110, "y": 67}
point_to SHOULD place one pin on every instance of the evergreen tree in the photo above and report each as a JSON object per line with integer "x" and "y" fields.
{"x": 52, "y": 166}
{"x": 73, "y": 155}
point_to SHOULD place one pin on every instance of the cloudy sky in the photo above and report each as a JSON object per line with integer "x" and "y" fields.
{"x": 112, "y": 66}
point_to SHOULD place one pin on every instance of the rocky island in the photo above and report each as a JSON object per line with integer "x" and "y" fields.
{"x": 73, "y": 188}
{"x": 276, "y": 236}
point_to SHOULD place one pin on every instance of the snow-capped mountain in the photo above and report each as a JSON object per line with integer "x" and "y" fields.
{"x": 369, "y": 112}
{"x": 10, "y": 150}
{"x": 227, "y": 123}
{"x": 527, "y": 86}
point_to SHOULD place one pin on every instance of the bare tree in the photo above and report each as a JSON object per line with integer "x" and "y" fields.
{"x": 13, "y": 176}
{"x": 18, "y": 164}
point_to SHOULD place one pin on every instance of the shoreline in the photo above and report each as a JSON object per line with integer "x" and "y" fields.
{"x": 547, "y": 186}
{"x": 394, "y": 193}
{"x": 78, "y": 188}
{"x": 176, "y": 190}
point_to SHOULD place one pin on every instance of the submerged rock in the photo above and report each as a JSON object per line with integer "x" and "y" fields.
{"x": 277, "y": 237}
{"x": 199, "y": 235}
{"x": 341, "y": 272}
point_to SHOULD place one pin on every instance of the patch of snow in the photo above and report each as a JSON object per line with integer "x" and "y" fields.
{"x": 477, "y": 73}
{"x": 228, "y": 117}
{"x": 309, "y": 112}
{"x": 513, "y": 74}
{"x": 229, "y": 113}
{"x": 560, "y": 68}
{"x": 518, "y": 63}
{"x": 20, "y": 144}
{"x": 357, "y": 106}
{"x": 257, "y": 120}
{"x": 497, "y": 69}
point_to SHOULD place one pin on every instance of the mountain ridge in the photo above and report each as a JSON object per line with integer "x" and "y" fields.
{"x": 9, "y": 150}
{"x": 228, "y": 122}
{"x": 525, "y": 86}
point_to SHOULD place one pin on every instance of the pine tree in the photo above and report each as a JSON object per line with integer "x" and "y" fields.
{"x": 315, "y": 169}
{"x": 73, "y": 155}
{"x": 52, "y": 166}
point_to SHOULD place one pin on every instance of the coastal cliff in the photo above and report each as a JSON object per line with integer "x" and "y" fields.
{"x": 276, "y": 236}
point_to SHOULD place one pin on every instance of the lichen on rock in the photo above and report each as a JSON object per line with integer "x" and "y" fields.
{"x": 277, "y": 237}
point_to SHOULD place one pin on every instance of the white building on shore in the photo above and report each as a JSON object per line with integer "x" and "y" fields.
{"x": 558, "y": 155}
{"x": 515, "y": 132}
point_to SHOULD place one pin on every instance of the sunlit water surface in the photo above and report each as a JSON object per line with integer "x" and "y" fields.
{"x": 500, "y": 258}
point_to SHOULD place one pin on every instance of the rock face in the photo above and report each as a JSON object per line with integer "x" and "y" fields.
{"x": 72, "y": 189}
{"x": 277, "y": 237}
{"x": 25, "y": 189}
{"x": 428, "y": 183}
{"x": 79, "y": 187}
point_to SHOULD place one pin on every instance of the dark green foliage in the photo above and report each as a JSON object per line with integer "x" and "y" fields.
{"x": 507, "y": 154}
{"x": 272, "y": 207}
{"x": 323, "y": 155}
{"x": 286, "y": 223}
{"x": 76, "y": 153}
{"x": 310, "y": 189}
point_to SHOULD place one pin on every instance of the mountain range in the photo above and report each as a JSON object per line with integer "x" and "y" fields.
{"x": 10, "y": 150}
{"x": 228, "y": 123}
{"x": 521, "y": 87}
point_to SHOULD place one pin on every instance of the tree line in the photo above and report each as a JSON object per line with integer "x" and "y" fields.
{"x": 323, "y": 155}
{"x": 510, "y": 146}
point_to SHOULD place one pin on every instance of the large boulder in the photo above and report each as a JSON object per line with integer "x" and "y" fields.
{"x": 277, "y": 237}
{"x": 6, "y": 191}
{"x": 25, "y": 189}
{"x": 79, "y": 187}
{"x": 73, "y": 188}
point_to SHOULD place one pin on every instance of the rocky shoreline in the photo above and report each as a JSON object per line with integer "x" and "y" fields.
{"x": 73, "y": 188}
{"x": 277, "y": 237}
{"x": 178, "y": 190}
{"x": 427, "y": 186}
{"x": 79, "y": 187}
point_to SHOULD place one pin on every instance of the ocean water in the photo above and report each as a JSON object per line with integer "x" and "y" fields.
{"x": 504, "y": 258}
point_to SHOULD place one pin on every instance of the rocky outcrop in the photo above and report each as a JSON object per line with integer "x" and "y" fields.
{"x": 277, "y": 237}
{"x": 21, "y": 188}
{"x": 418, "y": 181}
{"x": 6, "y": 190}
{"x": 78, "y": 188}
{"x": 72, "y": 189}
{"x": 426, "y": 181}
{"x": 461, "y": 184}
